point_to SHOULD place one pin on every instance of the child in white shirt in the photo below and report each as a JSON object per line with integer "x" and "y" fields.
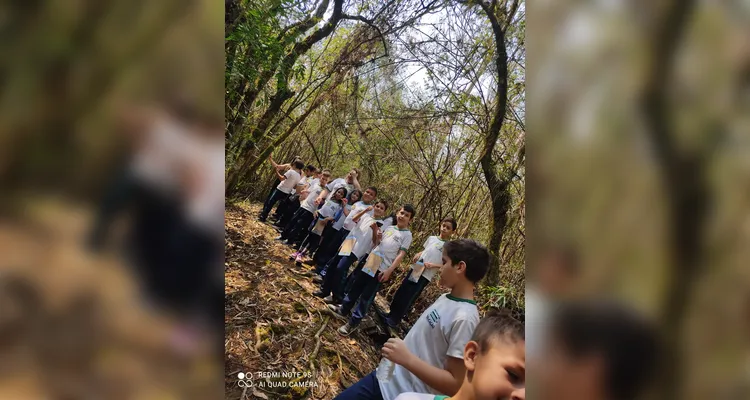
{"x": 288, "y": 182}
{"x": 325, "y": 217}
{"x": 385, "y": 258}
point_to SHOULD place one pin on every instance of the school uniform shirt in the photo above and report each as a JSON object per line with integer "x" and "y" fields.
{"x": 336, "y": 184}
{"x": 362, "y": 233}
{"x": 302, "y": 181}
{"x": 349, "y": 224}
{"x": 288, "y": 184}
{"x": 393, "y": 241}
{"x": 340, "y": 221}
{"x": 442, "y": 331}
{"x": 309, "y": 203}
{"x": 432, "y": 253}
{"x": 329, "y": 209}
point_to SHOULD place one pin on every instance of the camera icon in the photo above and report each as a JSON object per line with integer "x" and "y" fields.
{"x": 245, "y": 380}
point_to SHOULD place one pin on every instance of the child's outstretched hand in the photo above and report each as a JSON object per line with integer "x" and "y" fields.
{"x": 370, "y": 208}
{"x": 395, "y": 350}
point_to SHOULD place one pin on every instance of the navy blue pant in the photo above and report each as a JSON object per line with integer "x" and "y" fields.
{"x": 275, "y": 197}
{"x": 296, "y": 227}
{"x": 284, "y": 219}
{"x": 364, "y": 288}
{"x": 404, "y": 298}
{"x": 353, "y": 274}
{"x": 333, "y": 283}
{"x": 330, "y": 247}
{"x": 366, "y": 389}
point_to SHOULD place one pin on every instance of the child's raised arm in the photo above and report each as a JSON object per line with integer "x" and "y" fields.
{"x": 359, "y": 215}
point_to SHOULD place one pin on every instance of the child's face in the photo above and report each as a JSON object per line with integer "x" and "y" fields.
{"x": 351, "y": 175}
{"x": 449, "y": 272}
{"x": 368, "y": 196}
{"x": 309, "y": 173}
{"x": 324, "y": 179}
{"x": 379, "y": 210}
{"x": 403, "y": 218}
{"x": 338, "y": 195}
{"x": 355, "y": 197}
{"x": 499, "y": 372}
{"x": 446, "y": 229}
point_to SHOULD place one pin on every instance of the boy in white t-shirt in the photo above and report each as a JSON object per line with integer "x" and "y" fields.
{"x": 385, "y": 258}
{"x": 349, "y": 182}
{"x": 495, "y": 363}
{"x": 361, "y": 239}
{"x": 430, "y": 358}
{"x": 291, "y": 203}
{"x": 288, "y": 182}
{"x": 296, "y": 229}
{"x": 430, "y": 259}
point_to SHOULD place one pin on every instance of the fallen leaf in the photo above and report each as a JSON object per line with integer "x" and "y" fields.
{"x": 257, "y": 393}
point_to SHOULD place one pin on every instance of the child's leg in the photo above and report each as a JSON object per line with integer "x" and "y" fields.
{"x": 423, "y": 282}
{"x": 302, "y": 228}
{"x": 367, "y": 388}
{"x": 289, "y": 227}
{"x": 331, "y": 247}
{"x": 281, "y": 208}
{"x": 371, "y": 287}
{"x": 333, "y": 277}
{"x": 277, "y": 195}
{"x": 350, "y": 277}
{"x": 343, "y": 270}
{"x": 314, "y": 242}
{"x": 358, "y": 285}
{"x": 401, "y": 300}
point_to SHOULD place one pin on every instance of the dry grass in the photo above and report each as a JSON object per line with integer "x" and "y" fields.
{"x": 272, "y": 318}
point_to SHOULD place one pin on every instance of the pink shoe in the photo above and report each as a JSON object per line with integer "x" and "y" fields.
{"x": 294, "y": 255}
{"x": 300, "y": 257}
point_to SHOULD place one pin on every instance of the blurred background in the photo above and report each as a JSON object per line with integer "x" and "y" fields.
{"x": 111, "y": 152}
{"x": 637, "y": 163}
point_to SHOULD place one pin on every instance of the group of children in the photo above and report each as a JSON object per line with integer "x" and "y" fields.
{"x": 333, "y": 224}
{"x": 590, "y": 352}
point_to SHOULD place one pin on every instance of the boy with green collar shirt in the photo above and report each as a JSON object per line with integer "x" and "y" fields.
{"x": 382, "y": 261}
{"x": 430, "y": 359}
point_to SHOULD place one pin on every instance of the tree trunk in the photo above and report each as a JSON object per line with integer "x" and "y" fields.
{"x": 498, "y": 185}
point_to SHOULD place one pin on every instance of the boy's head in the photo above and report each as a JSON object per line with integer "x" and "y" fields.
{"x": 405, "y": 215}
{"x": 495, "y": 359}
{"x": 354, "y": 173}
{"x": 325, "y": 176}
{"x": 298, "y": 164}
{"x": 310, "y": 170}
{"x": 370, "y": 194}
{"x": 463, "y": 260}
{"x": 598, "y": 350}
{"x": 447, "y": 227}
{"x": 379, "y": 209}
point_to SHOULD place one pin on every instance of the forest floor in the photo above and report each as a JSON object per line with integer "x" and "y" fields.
{"x": 275, "y": 326}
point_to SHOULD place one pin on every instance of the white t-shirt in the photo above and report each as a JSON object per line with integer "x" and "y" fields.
{"x": 309, "y": 203}
{"x": 432, "y": 253}
{"x": 537, "y": 318}
{"x": 363, "y": 236}
{"x": 394, "y": 240}
{"x": 349, "y": 224}
{"x": 340, "y": 222}
{"x": 302, "y": 181}
{"x": 419, "y": 396}
{"x": 329, "y": 209}
{"x": 442, "y": 331}
{"x": 288, "y": 184}
{"x": 336, "y": 185}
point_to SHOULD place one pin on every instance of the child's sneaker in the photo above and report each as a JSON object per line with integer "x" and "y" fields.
{"x": 317, "y": 279}
{"x": 294, "y": 255}
{"x": 329, "y": 299}
{"x": 300, "y": 257}
{"x": 347, "y": 329}
{"x": 336, "y": 309}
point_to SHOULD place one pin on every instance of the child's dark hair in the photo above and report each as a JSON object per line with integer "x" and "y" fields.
{"x": 374, "y": 189}
{"x": 496, "y": 326}
{"x": 473, "y": 254}
{"x": 299, "y": 164}
{"x": 451, "y": 221}
{"x": 310, "y": 168}
{"x": 383, "y": 202}
{"x": 345, "y": 192}
{"x": 627, "y": 342}
{"x": 410, "y": 209}
{"x": 358, "y": 192}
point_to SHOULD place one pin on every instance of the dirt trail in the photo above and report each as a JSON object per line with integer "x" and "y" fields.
{"x": 275, "y": 325}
